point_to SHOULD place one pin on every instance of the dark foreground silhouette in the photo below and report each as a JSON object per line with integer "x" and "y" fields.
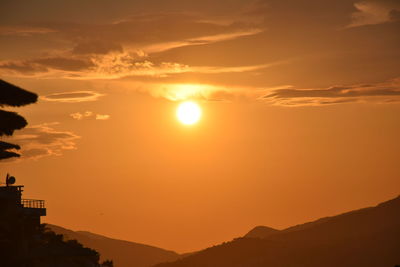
{"x": 12, "y": 96}
{"x": 24, "y": 242}
{"x": 48, "y": 249}
{"x": 123, "y": 253}
{"x": 368, "y": 237}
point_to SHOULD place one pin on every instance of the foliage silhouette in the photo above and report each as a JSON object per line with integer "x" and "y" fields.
{"x": 107, "y": 263}
{"x": 49, "y": 249}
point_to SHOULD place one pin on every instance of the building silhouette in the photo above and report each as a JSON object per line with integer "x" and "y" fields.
{"x": 19, "y": 221}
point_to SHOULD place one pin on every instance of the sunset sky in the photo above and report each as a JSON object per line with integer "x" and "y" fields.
{"x": 300, "y": 109}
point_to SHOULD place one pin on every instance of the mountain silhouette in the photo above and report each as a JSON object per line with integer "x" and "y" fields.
{"x": 123, "y": 253}
{"x": 261, "y": 232}
{"x": 367, "y": 237}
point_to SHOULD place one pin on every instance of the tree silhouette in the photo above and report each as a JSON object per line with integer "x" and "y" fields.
{"x": 12, "y": 96}
{"x": 51, "y": 249}
{"x": 107, "y": 263}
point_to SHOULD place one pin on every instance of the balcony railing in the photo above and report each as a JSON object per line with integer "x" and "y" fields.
{"x": 33, "y": 203}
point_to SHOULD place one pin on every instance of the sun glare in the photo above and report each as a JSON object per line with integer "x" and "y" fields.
{"x": 188, "y": 112}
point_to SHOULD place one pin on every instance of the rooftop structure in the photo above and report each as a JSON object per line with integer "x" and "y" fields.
{"x": 19, "y": 219}
{"x": 11, "y": 201}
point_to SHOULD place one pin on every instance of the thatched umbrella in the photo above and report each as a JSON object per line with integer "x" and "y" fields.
{"x": 11, "y": 95}
{"x": 4, "y": 154}
{"x": 10, "y": 121}
{"x": 5, "y": 145}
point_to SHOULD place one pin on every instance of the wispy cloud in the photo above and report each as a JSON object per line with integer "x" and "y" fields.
{"x": 379, "y": 93}
{"x": 102, "y": 117}
{"x": 114, "y": 65}
{"x": 206, "y": 92}
{"x": 24, "y": 30}
{"x": 237, "y": 69}
{"x": 96, "y": 47}
{"x": 43, "y": 140}
{"x": 374, "y": 12}
{"x": 46, "y": 66}
{"x": 160, "y": 47}
{"x": 73, "y": 97}
{"x": 89, "y": 115}
{"x": 123, "y": 50}
{"x": 79, "y": 116}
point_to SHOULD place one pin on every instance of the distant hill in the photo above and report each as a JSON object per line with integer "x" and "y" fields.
{"x": 261, "y": 232}
{"x": 368, "y": 237}
{"x": 123, "y": 253}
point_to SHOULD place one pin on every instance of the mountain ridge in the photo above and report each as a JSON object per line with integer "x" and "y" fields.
{"x": 368, "y": 237}
{"x": 124, "y": 253}
{"x": 261, "y": 231}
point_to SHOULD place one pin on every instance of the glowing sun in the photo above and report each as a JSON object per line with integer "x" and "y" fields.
{"x": 188, "y": 112}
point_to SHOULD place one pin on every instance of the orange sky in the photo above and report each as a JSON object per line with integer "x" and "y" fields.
{"x": 300, "y": 113}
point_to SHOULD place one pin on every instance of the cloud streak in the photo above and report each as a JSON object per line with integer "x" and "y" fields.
{"x": 89, "y": 115}
{"x": 203, "y": 40}
{"x": 123, "y": 49}
{"x": 374, "y": 12}
{"x": 204, "y": 92}
{"x": 102, "y": 117}
{"x": 24, "y": 30}
{"x": 73, "y": 97}
{"x": 43, "y": 140}
{"x": 378, "y": 93}
{"x": 114, "y": 65}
